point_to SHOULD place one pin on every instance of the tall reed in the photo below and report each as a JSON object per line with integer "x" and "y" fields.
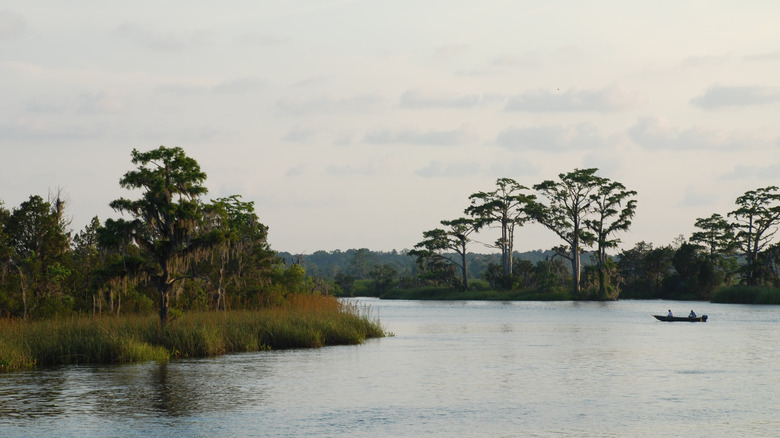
{"x": 742, "y": 294}
{"x": 303, "y": 321}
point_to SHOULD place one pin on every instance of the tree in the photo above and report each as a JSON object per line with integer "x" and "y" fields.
{"x": 86, "y": 259}
{"x": 716, "y": 238}
{"x": 613, "y": 207}
{"x": 431, "y": 253}
{"x": 570, "y": 201}
{"x": 715, "y": 235}
{"x": 506, "y": 207}
{"x": 6, "y": 254}
{"x": 755, "y": 223}
{"x": 166, "y": 217}
{"x": 435, "y": 267}
{"x": 37, "y": 241}
{"x": 695, "y": 272}
{"x": 645, "y": 268}
{"x": 383, "y": 277}
{"x": 345, "y": 282}
{"x": 238, "y": 244}
{"x": 360, "y": 262}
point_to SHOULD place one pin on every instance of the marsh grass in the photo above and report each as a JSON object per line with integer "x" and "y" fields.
{"x": 746, "y": 295}
{"x": 301, "y": 322}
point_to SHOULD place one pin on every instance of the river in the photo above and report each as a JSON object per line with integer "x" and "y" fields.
{"x": 466, "y": 369}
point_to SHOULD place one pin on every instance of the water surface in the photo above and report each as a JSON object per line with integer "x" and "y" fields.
{"x": 476, "y": 369}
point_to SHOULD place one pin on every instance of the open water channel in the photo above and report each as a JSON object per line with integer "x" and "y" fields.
{"x": 466, "y": 369}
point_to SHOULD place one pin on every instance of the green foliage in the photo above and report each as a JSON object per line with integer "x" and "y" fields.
{"x": 167, "y": 216}
{"x": 383, "y": 277}
{"x": 755, "y": 223}
{"x": 437, "y": 266}
{"x": 345, "y": 284}
{"x": 573, "y": 199}
{"x": 33, "y": 251}
{"x": 505, "y": 207}
{"x": 643, "y": 270}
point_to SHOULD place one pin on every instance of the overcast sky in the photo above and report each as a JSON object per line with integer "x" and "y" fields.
{"x": 361, "y": 124}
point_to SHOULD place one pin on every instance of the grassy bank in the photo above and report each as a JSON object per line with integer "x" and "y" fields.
{"x": 302, "y": 322}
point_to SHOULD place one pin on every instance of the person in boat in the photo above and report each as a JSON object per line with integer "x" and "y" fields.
{"x": 692, "y": 314}
{"x": 670, "y": 314}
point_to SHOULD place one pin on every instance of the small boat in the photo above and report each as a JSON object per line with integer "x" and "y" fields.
{"x": 702, "y": 318}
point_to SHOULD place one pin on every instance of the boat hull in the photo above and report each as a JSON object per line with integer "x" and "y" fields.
{"x": 702, "y": 318}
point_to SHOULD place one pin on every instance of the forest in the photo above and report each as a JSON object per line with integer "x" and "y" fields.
{"x": 173, "y": 251}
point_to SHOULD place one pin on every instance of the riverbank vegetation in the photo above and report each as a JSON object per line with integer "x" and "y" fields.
{"x": 731, "y": 258}
{"x": 303, "y": 321}
{"x": 204, "y": 267}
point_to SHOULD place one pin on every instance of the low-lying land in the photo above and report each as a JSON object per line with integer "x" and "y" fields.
{"x": 442, "y": 293}
{"x": 303, "y": 321}
{"x": 727, "y": 295}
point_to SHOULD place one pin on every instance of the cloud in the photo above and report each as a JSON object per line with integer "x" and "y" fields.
{"x": 526, "y": 60}
{"x": 26, "y": 128}
{"x": 601, "y": 100}
{"x": 299, "y": 134}
{"x": 164, "y": 41}
{"x": 706, "y": 61}
{"x": 295, "y": 170}
{"x": 462, "y": 135}
{"x": 238, "y": 86}
{"x": 657, "y": 133}
{"x": 102, "y": 102}
{"x": 348, "y": 169}
{"x": 230, "y": 86}
{"x": 722, "y": 96}
{"x": 516, "y": 168}
{"x": 551, "y": 138}
{"x": 437, "y": 169}
{"x": 254, "y": 39}
{"x": 741, "y": 172}
{"x": 11, "y": 24}
{"x": 699, "y": 198}
{"x": 770, "y": 56}
{"x": 438, "y": 99}
{"x": 359, "y": 103}
{"x": 182, "y": 89}
{"x": 450, "y": 51}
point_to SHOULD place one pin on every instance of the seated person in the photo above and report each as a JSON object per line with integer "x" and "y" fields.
{"x": 670, "y": 313}
{"x": 692, "y": 314}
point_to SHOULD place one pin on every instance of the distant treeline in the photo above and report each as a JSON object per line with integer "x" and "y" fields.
{"x": 674, "y": 271}
{"x": 359, "y": 262}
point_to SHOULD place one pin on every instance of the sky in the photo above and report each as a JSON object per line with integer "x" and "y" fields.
{"x": 361, "y": 124}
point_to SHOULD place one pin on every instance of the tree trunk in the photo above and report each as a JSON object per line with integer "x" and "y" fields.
{"x": 220, "y": 290}
{"x": 575, "y": 261}
{"x": 464, "y": 268}
{"x": 602, "y": 286}
{"x": 163, "y": 291}
{"x": 602, "y": 257}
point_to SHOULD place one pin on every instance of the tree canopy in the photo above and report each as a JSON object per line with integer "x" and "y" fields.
{"x": 167, "y": 216}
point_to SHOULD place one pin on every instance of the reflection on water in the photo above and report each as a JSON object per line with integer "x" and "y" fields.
{"x": 465, "y": 369}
